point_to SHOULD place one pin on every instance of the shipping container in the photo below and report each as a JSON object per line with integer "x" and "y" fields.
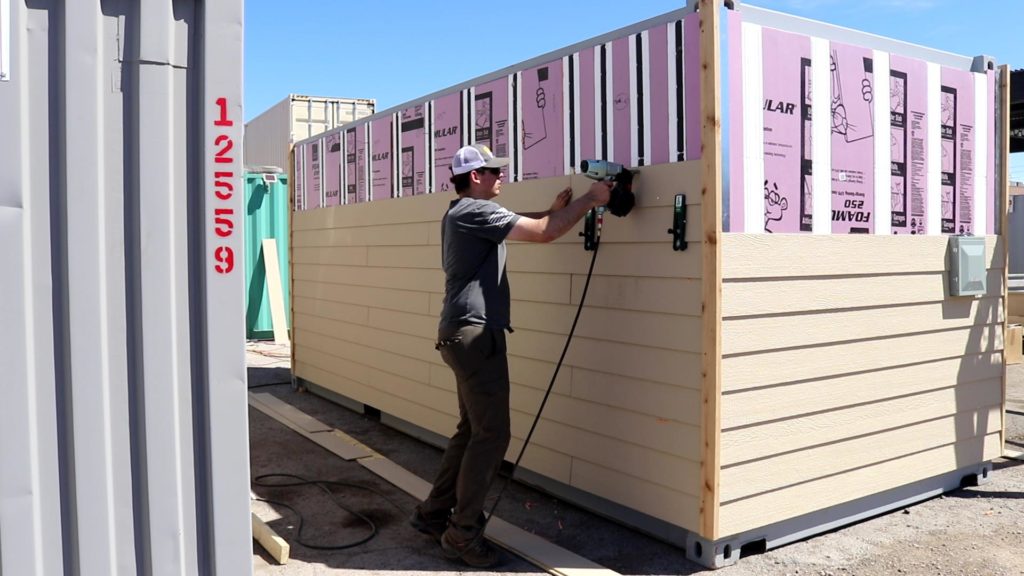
{"x": 801, "y": 324}
{"x": 266, "y": 218}
{"x": 270, "y": 135}
{"x": 123, "y": 425}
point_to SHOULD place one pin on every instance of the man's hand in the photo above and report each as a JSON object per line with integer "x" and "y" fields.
{"x": 600, "y": 192}
{"x": 565, "y": 213}
{"x": 562, "y": 200}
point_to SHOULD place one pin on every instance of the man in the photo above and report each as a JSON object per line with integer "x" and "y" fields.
{"x": 471, "y": 339}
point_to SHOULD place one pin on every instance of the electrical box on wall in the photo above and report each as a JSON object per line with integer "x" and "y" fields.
{"x": 967, "y": 274}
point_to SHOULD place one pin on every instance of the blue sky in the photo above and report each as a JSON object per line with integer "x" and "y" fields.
{"x": 398, "y": 50}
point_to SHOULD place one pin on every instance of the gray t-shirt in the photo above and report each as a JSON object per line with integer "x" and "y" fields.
{"x": 473, "y": 257}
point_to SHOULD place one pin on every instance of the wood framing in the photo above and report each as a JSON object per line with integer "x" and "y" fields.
{"x": 711, "y": 219}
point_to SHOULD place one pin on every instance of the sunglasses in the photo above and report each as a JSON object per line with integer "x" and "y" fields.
{"x": 495, "y": 171}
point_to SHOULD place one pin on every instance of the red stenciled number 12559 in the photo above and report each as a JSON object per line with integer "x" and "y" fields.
{"x": 223, "y": 191}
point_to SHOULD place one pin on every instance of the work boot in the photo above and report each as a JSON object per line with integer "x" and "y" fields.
{"x": 473, "y": 549}
{"x": 433, "y": 525}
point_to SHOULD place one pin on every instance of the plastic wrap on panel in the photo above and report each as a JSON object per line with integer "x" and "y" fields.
{"x": 956, "y": 126}
{"x": 413, "y": 156}
{"x": 632, "y": 97}
{"x": 299, "y": 187}
{"x": 382, "y": 141}
{"x": 332, "y": 168}
{"x": 447, "y": 137}
{"x": 491, "y": 116}
{"x": 853, "y": 139}
{"x": 788, "y": 151}
{"x": 349, "y": 170}
{"x": 362, "y": 164}
{"x": 540, "y": 106}
{"x": 314, "y": 176}
{"x": 908, "y": 137}
{"x": 771, "y": 128}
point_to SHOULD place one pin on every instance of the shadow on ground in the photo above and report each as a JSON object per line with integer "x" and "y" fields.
{"x": 275, "y": 449}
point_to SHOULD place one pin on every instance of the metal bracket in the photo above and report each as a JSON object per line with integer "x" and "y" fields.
{"x": 678, "y": 229}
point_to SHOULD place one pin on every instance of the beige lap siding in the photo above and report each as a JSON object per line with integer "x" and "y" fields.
{"x": 847, "y": 371}
{"x": 623, "y": 420}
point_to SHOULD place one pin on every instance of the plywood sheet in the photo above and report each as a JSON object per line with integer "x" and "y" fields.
{"x": 656, "y": 260}
{"x": 655, "y": 364}
{"x": 669, "y": 295}
{"x": 365, "y": 356}
{"x": 669, "y": 505}
{"x": 327, "y": 309}
{"x": 748, "y": 298}
{"x": 792, "y": 468}
{"x": 753, "y": 406}
{"x": 411, "y": 346}
{"x": 330, "y": 255}
{"x": 801, "y": 255}
{"x": 764, "y": 333}
{"x": 381, "y": 235}
{"x": 657, "y": 330}
{"x": 799, "y": 433}
{"x": 753, "y": 512}
{"x": 325, "y": 276}
{"x": 677, "y": 402}
{"x": 749, "y": 370}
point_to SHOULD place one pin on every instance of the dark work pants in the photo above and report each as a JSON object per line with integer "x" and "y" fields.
{"x": 475, "y": 452}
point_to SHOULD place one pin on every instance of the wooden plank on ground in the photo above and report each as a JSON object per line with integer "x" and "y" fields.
{"x": 271, "y": 542}
{"x": 340, "y": 444}
{"x": 540, "y": 552}
{"x": 275, "y": 291}
{"x": 304, "y": 421}
{"x": 400, "y": 477}
{"x": 548, "y": 556}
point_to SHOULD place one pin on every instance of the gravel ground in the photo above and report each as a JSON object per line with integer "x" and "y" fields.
{"x": 974, "y": 531}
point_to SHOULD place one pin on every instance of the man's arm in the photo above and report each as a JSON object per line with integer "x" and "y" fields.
{"x": 558, "y": 222}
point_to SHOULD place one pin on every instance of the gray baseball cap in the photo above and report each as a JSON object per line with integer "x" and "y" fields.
{"x": 469, "y": 158}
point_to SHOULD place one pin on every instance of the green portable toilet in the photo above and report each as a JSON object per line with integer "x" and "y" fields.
{"x": 266, "y": 216}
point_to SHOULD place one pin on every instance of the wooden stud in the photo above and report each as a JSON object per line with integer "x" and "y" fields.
{"x": 711, "y": 218}
{"x": 273, "y": 275}
{"x": 271, "y": 542}
{"x": 1003, "y": 150}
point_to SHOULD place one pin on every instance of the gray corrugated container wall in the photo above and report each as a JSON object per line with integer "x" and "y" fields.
{"x": 269, "y": 136}
{"x": 123, "y": 420}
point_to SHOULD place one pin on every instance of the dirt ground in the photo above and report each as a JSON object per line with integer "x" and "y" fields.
{"x": 974, "y": 531}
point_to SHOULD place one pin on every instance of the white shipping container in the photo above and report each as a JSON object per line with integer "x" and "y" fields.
{"x": 123, "y": 425}
{"x": 269, "y": 136}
